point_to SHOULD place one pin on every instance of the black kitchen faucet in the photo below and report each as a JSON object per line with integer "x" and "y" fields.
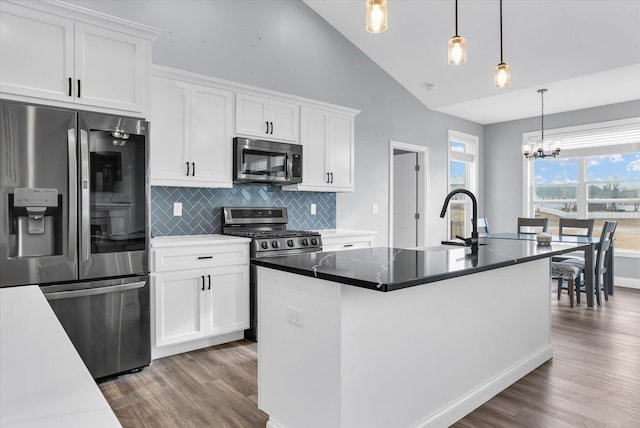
{"x": 473, "y": 241}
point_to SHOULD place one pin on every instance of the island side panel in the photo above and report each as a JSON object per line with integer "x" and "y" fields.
{"x": 298, "y": 365}
{"x": 428, "y": 355}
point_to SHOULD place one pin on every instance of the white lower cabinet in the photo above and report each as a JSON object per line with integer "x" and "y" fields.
{"x": 200, "y": 292}
{"x": 199, "y": 303}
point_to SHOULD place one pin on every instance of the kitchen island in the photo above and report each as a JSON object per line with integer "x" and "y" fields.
{"x": 382, "y": 337}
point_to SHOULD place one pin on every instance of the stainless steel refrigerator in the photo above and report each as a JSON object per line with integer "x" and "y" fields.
{"x": 73, "y": 220}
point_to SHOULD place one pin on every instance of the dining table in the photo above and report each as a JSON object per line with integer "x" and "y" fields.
{"x": 589, "y": 257}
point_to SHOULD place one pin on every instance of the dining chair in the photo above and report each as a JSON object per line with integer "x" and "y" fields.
{"x": 581, "y": 227}
{"x": 576, "y": 227}
{"x": 600, "y": 265}
{"x": 526, "y": 225}
{"x": 483, "y": 225}
{"x": 570, "y": 272}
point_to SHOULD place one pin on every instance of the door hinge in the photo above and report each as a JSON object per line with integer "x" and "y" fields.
{"x": 417, "y": 216}
{"x": 417, "y": 168}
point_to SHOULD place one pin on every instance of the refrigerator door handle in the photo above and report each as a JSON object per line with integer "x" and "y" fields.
{"x": 73, "y": 193}
{"x": 94, "y": 291}
{"x": 85, "y": 228}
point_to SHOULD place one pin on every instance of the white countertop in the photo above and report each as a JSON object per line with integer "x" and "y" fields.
{"x": 43, "y": 381}
{"x": 345, "y": 232}
{"x": 170, "y": 241}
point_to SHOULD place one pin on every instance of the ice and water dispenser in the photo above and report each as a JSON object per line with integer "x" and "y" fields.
{"x": 35, "y": 219}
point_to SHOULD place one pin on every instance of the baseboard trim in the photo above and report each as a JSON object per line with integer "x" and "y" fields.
{"x": 165, "y": 351}
{"x": 465, "y": 405}
{"x": 621, "y": 281}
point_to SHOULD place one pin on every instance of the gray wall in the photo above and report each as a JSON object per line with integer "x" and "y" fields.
{"x": 503, "y": 172}
{"x": 285, "y": 46}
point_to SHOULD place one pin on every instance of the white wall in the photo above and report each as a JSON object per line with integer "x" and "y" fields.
{"x": 503, "y": 167}
{"x": 285, "y": 46}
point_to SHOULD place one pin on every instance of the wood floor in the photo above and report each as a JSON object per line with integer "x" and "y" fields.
{"x": 593, "y": 380}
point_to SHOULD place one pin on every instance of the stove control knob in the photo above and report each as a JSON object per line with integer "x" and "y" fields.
{"x": 275, "y": 244}
{"x": 290, "y": 242}
{"x": 264, "y": 244}
{"x": 305, "y": 242}
{"x": 314, "y": 241}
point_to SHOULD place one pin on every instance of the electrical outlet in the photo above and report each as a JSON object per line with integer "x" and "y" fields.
{"x": 375, "y": 208}
{"x": 294, "y": 316}
{"x": 313, "y": 209}
{"x": 177, "y": 209}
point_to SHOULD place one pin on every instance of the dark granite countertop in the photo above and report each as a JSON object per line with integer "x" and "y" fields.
{"x": 388, "y": 269}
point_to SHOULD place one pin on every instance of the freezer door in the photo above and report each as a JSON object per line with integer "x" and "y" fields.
{"x": 107, "y": 321}
{"x": 113, "y": 196}
{"x": 38, "y": 195}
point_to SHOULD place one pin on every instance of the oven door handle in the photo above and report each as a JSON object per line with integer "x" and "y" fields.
{"x": 94, "y": 291}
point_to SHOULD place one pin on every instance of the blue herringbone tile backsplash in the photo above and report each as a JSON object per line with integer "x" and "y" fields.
{"x": 201, "y": 212}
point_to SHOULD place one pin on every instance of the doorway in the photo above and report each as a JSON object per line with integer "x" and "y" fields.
{"x": 407, "y": 195}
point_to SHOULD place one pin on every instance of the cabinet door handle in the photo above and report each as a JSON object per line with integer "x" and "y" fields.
{"x": 331, "y": 178}
{"x": 187, "y": 168}
{"x": 327, "y": 177}
{"x": 78, "y": 88}
{"x": 70, "y": 85}
{"x": 271, "y": 127}
{"x": 347, "y": 245}
{"x": 202, "y": 282}
{"x": 209, "y": 277}
{"x": 204, "y": 257}
{"x": 267, "y": 123}
{"x": 193, "y": 169}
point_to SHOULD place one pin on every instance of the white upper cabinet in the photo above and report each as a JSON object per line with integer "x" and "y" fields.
{"x": 110, "y": 69}
{"x": 58, "y": 54}
{"x": 327, "y": 140}
{"x": 266, "y": 118}
{"x": 192, "y": 136}
{"x": 36, "y": 51}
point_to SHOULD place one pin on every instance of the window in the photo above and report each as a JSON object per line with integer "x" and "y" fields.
{"x": 596, "y": 176}
{"x": 463, "y": 174}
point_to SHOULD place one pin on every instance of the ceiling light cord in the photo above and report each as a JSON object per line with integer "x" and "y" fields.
{"x": 501, "y": 59}
{"x": 457, "y": 18}
{"x": 542, "y": 91}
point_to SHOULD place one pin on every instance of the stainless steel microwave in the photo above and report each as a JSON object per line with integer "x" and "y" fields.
{"x": 269, "y": 162}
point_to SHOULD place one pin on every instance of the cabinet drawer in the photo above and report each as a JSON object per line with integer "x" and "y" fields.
{"x": 200, "y": 256}
{"x": 346, "y": 246}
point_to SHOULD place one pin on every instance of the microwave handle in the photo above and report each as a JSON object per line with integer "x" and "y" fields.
{"x": 289, "y": 164}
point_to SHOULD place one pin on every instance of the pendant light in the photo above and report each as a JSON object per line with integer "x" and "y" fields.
{"x": 502, "y": 71}
{"x": 541, "y": 148}
{"x": 457, "y": 46}
{"x": 376, "y": 12}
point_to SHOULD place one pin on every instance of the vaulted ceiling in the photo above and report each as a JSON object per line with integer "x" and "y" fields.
{"x": 585, "y": 52}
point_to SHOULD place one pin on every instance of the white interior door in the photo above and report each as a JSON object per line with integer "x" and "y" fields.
{"x": 407, "y": 195}
{"x": 405, "y": 188}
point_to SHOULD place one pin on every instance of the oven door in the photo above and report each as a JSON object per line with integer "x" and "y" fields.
{"x": 258, "y": 161}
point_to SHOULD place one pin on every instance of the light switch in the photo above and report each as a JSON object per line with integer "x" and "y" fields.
{"x": 374, "y": 208}
{"x": 313, "y": 209}
{"x": 177, "y": 209}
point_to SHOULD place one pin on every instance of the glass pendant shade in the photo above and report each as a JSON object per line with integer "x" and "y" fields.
{"x": 502, "y": 75}
{"x": 457, "y": 50}
{"x": 376, "y": 11}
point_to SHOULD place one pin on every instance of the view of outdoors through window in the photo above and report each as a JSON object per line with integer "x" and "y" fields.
{"x": 460, "y": 177}
{"x": 599, "y": 187}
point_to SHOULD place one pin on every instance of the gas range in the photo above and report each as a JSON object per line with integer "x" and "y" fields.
{"x": 267, "y": 229}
